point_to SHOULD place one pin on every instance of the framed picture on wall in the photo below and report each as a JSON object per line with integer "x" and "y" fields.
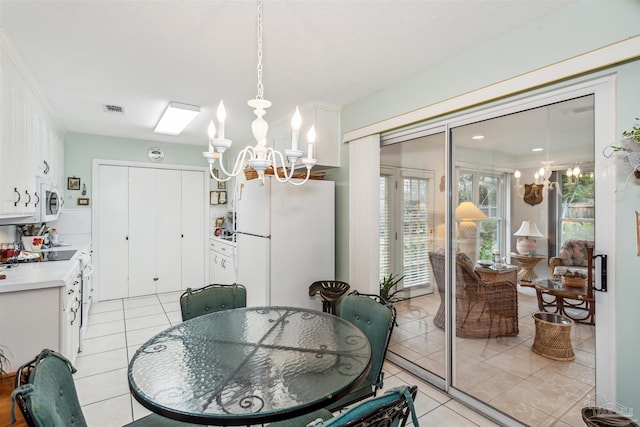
{"x": 73, "y": 183}
{"x": 222, "y": 185}
{"x": 217, "y": 197}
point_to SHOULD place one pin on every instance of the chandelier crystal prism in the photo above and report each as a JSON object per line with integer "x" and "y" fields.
{"x": 260, "y": 157}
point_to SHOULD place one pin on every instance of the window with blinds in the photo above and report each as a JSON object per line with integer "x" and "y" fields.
{"x": 415, "y": 231}
{"x": 486, "y": 190}
{"x": 386, "y": 241}
{"x": 406, "y": 212}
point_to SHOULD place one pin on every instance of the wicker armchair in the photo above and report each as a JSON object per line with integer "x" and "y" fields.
{"x": 483, "y": 309}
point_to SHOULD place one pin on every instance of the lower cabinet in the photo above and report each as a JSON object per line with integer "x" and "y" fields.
{"x": 221, "y": 268}
{"x": 36, "y": 319}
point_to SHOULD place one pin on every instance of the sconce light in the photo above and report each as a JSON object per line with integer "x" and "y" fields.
{"x": 573, "y": 174}
{"x": 534, "y": 193}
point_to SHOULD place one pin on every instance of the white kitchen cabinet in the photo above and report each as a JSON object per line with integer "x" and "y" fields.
{"x": 221, "y": 265}
{"x": 33, "y": 319}
{"x": 158, "y": 241}
{"x": 28, "y": 137}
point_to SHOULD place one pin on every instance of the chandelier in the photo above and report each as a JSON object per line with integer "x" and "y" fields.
{"x": 260, "y": 157}
{"x": 541, "y": 178}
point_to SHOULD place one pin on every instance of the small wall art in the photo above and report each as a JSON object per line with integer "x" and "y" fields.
{"x": 73, "y": 183}
{"x": 83, "y": 201}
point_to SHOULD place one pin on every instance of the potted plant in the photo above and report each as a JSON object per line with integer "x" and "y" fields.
{"x": 4, "y": 364}
{"x": 388, "y": 286}
{"x": 630, "y": 147}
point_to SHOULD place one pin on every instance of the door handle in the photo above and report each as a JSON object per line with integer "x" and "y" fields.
{"x": 15, "y": 190}
{"x": 603, "y": 272}
{"x": 26, "y": 204}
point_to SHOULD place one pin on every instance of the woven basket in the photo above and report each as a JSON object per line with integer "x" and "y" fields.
{"x": 250, "y": 173}
{"x": 553, "y": 336}
{"x": 601, "y": 417}
{"x": 574, "y": 282}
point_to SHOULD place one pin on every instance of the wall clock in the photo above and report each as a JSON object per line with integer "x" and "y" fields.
{"x": 155, "y": 154}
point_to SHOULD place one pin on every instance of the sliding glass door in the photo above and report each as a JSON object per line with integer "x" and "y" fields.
{"x": 473, "y": 336}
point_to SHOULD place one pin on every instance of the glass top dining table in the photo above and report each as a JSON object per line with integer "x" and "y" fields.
{"x": 249, "y": 365}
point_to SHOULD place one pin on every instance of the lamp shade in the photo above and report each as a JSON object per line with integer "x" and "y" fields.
{"x": 525, "y": 244}
{"x": 528, "y": 229}
{"x": 467, "y": 211}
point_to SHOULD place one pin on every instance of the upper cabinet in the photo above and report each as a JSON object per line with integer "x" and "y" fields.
{"x": 31, "y": 143}
{"x": 326, "y": 118}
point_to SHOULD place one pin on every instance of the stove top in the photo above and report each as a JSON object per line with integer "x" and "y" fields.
{"x": 57, "y": 255}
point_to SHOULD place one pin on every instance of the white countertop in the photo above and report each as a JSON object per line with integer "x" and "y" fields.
{"x": 40, "y": 275}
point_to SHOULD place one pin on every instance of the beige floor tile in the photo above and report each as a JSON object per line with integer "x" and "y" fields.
{"x": 472, "y": 416}
{"x": 96, "y": 388}
{"x": 109, "y": 413}
{"x": 139, "y": 336}
{"x": 171, "y": 306}
{"x": 444, "y": 416}
{"x": 140, "y": 301}
{"x": 145, "y": 310}
{"x": 107, "y": 328}
{"x": 102, "y": 306}
{"x": 170, "y": 296}
{"x": 93, "y": 364}
{"x": 147, "y": 322}
{"x": 103, "y": 343}
{"x": 104, "y": 317}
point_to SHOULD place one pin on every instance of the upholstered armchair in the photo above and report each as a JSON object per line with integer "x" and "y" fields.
{"x": 572, "y": 258}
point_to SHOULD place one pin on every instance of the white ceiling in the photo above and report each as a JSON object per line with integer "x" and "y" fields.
{"x": 142, "y": 54}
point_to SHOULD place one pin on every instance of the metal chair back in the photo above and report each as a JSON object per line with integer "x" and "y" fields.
{"x": 212, "y": 298}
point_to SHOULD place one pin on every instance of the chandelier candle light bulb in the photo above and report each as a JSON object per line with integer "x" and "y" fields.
{"x": 296, "y": 121}
{"x": 222, "y": 116}
{"x": 311, "y": 139}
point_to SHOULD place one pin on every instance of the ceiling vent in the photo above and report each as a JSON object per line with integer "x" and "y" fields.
{"x": 113, "y": 109}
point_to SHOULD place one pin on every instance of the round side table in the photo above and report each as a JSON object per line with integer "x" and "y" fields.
{"x": 526, "y": 263}
{"x": 553, "y": 336}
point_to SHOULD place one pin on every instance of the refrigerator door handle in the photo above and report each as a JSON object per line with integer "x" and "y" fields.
{"x": 253, "y": 235}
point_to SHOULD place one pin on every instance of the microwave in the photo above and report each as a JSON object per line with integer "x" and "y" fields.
{"x": 50, "y": 202}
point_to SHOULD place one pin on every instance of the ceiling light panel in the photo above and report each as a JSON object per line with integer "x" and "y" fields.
{"x": 176, "y": 118}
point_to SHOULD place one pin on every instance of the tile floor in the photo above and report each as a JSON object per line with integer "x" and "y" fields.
{"x": 504, "y": 372}
{"x": 118, "y": 327}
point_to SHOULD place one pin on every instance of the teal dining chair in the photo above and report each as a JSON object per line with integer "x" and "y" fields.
{"x": 390, "y": 409}
{"x": 212, "y": 298}
{"x": 47, "y": 397}
{"x": 376, "y": 318}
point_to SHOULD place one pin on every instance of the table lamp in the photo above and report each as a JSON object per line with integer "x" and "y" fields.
{"x": 466, "y": 214}
{"x": 526, "y": 245}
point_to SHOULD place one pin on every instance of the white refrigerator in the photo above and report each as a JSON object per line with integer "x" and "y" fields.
{"x": 285, "y": 240}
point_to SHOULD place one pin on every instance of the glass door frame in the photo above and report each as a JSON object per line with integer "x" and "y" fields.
{"x": 603, "y": 89}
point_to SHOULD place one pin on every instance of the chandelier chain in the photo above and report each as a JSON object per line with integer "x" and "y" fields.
{"x": 260, "y": 86}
